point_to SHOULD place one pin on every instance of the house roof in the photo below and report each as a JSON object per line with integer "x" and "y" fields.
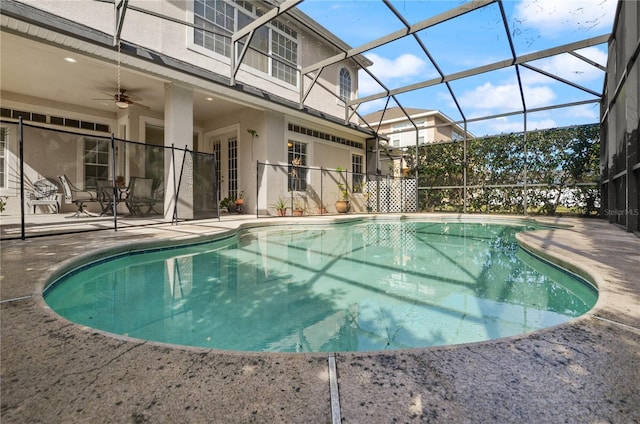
{"x": 396, "y": 113}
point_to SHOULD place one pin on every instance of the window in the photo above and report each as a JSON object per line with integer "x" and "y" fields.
{"x": 232, "y": 150}
{"x": 217, "y": 20}
{"x": 3, "y": 157}
{"x": 456, "y": 135}
{"x": 287, "y": 50}
{"x": 357, "y": 176}
{"x": 345, "y": 85}
{"x": 297, "y": 159}
{"x": 96, "y": 161}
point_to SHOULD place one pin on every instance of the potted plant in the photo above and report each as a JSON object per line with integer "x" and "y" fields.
{"x": 240, "y": 199}
{"x": 280, "y": 207}
{"x": 298, "y": 208}
{"x": 342, "y": 204}
{"x": 228, "y": 203}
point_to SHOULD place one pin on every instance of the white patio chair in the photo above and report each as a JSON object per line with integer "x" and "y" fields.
{"x": 77, "y": 196}
{"x": 45, "y": 193}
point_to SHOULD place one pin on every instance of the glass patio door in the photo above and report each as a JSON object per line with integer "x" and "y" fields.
{"x": 225, "y": 148}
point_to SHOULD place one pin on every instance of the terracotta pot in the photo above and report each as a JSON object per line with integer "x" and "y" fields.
{"x": 282, "y": 212}
{"x": 343, "y": 206}
{"x": 239, "y": 201}
{"x": 322, "y": 211}
{"x": 298, "y": 212}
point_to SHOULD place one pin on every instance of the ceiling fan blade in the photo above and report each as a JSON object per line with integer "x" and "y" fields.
{"x": 123, "y": 96}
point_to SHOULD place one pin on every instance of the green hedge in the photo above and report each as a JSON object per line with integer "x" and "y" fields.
{"x": 556, "y": 164}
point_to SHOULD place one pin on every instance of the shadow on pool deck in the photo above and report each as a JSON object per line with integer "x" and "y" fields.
{"x": 585, "y": 371}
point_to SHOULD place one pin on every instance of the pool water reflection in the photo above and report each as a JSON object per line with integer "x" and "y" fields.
{"x": 344, "y": 287}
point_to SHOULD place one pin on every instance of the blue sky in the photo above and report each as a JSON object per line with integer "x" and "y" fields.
{"x": 475, "y": 39}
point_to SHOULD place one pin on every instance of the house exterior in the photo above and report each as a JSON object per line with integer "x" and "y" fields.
{"x": 399, "y": 132}
{"x": 620, "y": 145}
{"x": 163, "y": 75}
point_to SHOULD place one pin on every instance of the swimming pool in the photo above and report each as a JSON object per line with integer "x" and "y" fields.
{"x": 356, "y": 286}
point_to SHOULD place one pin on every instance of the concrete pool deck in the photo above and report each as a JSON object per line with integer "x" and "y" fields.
{"x": 584, "y": 371}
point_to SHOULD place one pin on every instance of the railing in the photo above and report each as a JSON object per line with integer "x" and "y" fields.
{"x": 182, "y": 183}
{"x": 303, "y": 190}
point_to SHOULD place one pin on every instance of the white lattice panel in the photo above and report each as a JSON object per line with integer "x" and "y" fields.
{"x": 390, "y": 196}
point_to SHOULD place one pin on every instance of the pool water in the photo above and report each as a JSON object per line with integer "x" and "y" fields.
{"x": 345, "y": 287}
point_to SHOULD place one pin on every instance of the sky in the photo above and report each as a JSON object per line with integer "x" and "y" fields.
{"x": 475, "y": 39}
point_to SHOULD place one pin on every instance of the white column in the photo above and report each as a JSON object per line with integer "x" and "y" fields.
{"x": 178, "y": 130}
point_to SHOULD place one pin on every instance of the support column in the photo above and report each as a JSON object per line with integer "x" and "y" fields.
{"x": 178, "y": 130}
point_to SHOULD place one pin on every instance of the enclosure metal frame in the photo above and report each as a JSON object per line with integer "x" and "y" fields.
{"x": 312, "y": 72}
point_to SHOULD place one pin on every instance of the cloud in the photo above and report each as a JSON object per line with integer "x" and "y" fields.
{"x": 591, "y": 112}
{"x": 489, "y": 99}
{"x": 569, "y": 67}
{"x": 553, "y": 17}
{"x": 404, "y": 66}
{"x": 367, "y": 85}
{"x": 392, "y": 72}
{"x": 373, "y": 106}
{"x": 510, "y": 125}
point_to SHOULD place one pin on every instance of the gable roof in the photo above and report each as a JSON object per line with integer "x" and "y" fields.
{"x": 396, "y": 113}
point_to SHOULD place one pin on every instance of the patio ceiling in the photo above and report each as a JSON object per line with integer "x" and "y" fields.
{"x": 45, "y": 76}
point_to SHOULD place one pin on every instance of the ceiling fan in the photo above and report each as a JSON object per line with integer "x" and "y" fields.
{"x": 122, "y": 99}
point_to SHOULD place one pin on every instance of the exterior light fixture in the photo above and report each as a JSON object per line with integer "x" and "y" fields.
{"x": 70, "y": 59}
{"x": 122, "y": 105}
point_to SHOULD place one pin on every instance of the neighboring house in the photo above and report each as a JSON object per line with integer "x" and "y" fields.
{"x": 59, "y": 68}
{"x": 400, "y": 132}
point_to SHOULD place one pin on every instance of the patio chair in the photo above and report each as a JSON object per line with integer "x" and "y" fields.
{"x": 45, "y": 193}
{"x": 104, "y": 190}
{"x": 140, "y": 195}
{"x": 79, "y": 197}
{"x": 158, "y": 194}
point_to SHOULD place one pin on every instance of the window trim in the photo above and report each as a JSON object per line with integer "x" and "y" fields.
{"x": 191, "y": 44}
{"x": 302, "y": 179}
{"x": 357, "y": 176}
{"x": 339, "y": 85}
{"x": 96, "y": 164}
